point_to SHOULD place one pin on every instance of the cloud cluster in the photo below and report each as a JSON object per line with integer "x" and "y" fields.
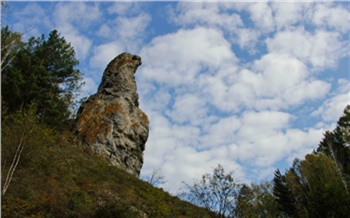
{"x": 219, "y": 108}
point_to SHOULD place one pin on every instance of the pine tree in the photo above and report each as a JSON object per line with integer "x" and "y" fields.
{"x": 283, "y": 194}
{"x": 336, "y": 144}
{"x": 43, "y": 72}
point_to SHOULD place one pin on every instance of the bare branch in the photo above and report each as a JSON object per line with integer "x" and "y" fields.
{"x": 156, "y": 178}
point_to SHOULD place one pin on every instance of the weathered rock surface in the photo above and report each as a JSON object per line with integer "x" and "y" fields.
{"x": 110, "y": 123}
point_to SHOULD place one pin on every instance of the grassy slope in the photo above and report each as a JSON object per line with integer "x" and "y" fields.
{"x": 56, "y": 179}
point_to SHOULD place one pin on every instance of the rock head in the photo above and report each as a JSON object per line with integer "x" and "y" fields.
{"x": 110, "y": 123}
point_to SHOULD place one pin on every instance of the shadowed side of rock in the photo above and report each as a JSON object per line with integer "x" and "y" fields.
{"x": 110, "y": 123}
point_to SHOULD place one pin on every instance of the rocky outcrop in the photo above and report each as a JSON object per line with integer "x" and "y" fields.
{"x": 110, "y": 123}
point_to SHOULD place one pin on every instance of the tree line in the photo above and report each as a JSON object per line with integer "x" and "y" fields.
{"x": 316, "y": 186}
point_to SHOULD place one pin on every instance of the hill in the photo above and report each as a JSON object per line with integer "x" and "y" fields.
{"x": 55, "y": 178}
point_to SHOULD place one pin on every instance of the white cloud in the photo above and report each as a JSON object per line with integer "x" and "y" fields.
{"x": 262, "y": 124}
{"x": 333, "y": 17}
{"x": 104, "y": 53}
{"x": 287, "y": 14}
{"x": 131, "y": 30}
{"x": 183, "y": 109}
{"x": 276, "y": 81}
{"x": 187, "y": 165}
{"x": 177, "y": 58}
{"x": 332, "y": 108}
{"x": 154, "y": 99}
{"x": 80, "y": 14}
{"x": 247, "y": 38}
{"x": 320, "y": 49}
{"x": 266, "y": 137}
{"x": 105, "y": 31}
{"x": 89, "y": 88}
{"x": 208, "y": 14}
{"x": 71, "y": 18}
{"x": 125, "y": 34}
{"x": 261, "y": 15}
{"x": 28, "y": 24}
{"x": 221, "y": 133}
{"x": 124, "y": 8}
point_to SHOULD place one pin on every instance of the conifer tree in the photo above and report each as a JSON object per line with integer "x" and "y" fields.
{"x": 43, "y": 72}
{"x": 336, "y": 144}
{"x": 318, "y": 186}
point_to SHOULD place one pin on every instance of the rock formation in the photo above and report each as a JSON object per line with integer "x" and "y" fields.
{"x": 110, "y": 123}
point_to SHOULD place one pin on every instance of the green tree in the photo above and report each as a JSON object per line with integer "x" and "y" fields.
{"x": 257, "y": 201}
{"x": 217, "y": 192}
{"x": 43, "y": 71}
{"x": 336, "y": 144}
{"x": 317, "y": 189}
{"x": 318, "y": 186}
{"x": 326, "y": 192}
{"x": 312, "y": 188}
{"x": 283, "y": 194}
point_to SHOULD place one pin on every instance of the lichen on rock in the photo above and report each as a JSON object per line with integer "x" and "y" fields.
{"x": 110, "y": 123}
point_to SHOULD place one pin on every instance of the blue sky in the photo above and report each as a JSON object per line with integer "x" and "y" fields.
{"x": 250, "y": 86}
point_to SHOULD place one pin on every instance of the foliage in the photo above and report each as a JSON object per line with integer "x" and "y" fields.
{"x": 257, "y": 201}
{"x": 318, "y": 185}
{"x": 217, "y": 192}
{"x": 314, "y": 189}
{"x": 283, "y": 194}
{"x": 41, "y": 71}
{"x": 115, "y": 210}
{"x": 336, "y": 144}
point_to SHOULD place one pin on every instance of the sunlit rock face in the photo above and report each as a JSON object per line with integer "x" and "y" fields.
{"x": 110, "y": 123}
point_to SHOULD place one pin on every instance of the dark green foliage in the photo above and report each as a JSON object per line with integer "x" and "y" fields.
{"x": 42, "y": 72}
{"x": 318, "y": 186}
{"x": 336, "y": 144}
{"x": 283, "y": 194}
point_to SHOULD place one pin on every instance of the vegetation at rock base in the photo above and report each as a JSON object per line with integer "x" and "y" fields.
{"x": 53, "y": 178}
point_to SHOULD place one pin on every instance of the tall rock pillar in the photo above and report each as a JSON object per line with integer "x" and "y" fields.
{"x": 110, "y": 123}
